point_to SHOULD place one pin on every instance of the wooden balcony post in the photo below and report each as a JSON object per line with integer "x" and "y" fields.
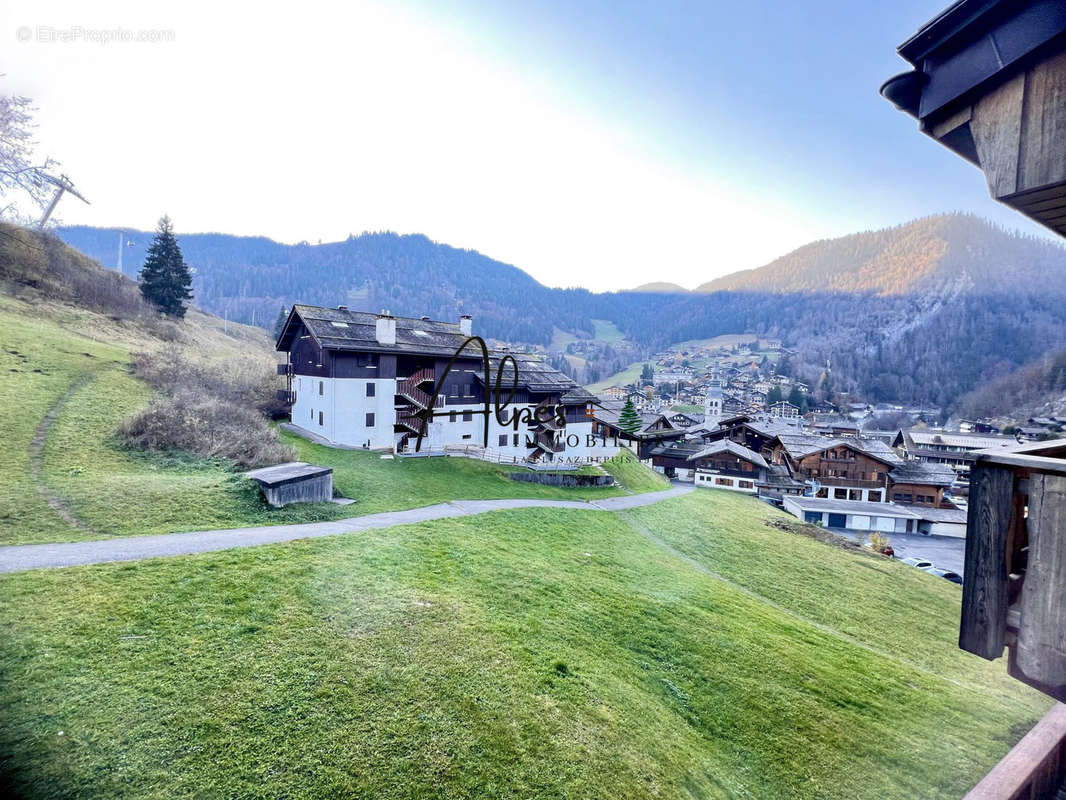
{"x": 984, "y": 592}
{"x": 1041, "y": 651}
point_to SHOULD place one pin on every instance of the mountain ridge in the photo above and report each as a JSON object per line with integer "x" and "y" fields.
{"x": 939, "y": 253}
{"x": 921, "y": 312}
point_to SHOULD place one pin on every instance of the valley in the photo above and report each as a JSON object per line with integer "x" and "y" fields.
{"x": 921, "y": 313}
{"x": 539, "y": 650}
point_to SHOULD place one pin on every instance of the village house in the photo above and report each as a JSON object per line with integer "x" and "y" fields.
{"x": 655, "y": 428}
{"x": 358, "y": 379}
{"x": 956, "y": 450}
{"x": 722, "y": 464}
{"x": 614, "y": 393}
{"x": 784, "y": 410}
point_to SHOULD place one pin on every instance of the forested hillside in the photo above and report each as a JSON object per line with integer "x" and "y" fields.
{"x": 409, "y": 275}
{"x": 923, "y": 312}
{"x": 1038, "y": 388}
{"x": 944, "y": 254}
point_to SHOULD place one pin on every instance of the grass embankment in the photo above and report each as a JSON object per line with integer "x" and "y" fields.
{"x": 51, "y": 352}
{"x": 634, "y": 476}
{"x": 54, "y": 353}
{"x": 534, "y": 653}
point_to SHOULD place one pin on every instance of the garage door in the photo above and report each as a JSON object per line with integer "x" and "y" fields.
{"x": 837, "y": 521}
{"x": 886, "y": 524}
{"x": 859, "y": 522}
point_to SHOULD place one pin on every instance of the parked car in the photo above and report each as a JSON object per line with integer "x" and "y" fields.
{"x": 947, "y": 575}
{"x": 920, "y": 563}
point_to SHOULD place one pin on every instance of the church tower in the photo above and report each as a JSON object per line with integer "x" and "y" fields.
{"x": 712, "y": 405}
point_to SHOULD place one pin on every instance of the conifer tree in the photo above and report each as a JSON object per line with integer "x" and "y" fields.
{"x": 165, "y": 277}
{"x": 279, "y": 323}
{"x": 629, "y": 421}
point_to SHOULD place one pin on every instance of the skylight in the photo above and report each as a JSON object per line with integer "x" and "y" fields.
{"x": 339, "y": 324}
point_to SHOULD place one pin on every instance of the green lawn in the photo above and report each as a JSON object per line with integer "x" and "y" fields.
{"x": 113, "y": 491}
{"x": 394, "y": 484}
{"x": 606, "y": 331}
{"x": 530, "y": 653}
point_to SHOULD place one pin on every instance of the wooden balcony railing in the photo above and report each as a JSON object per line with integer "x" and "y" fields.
{"x": 1014, "y": 595}
{"x": 1035, "y": 768}
{"x": 851, "y": 483}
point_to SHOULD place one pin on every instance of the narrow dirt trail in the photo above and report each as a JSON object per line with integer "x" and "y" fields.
{"x": 36, "y": 450}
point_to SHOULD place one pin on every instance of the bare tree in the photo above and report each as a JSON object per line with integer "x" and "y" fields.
{"x": 23, "y": 178}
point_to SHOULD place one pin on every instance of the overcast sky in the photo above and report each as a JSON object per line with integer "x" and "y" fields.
{"x": 597, "y": 144}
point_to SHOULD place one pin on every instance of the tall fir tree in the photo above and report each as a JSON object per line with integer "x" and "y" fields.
{"x": 279, "y": 323}
{"x": 165, "y": 277}
{"x": 629, "y": 421}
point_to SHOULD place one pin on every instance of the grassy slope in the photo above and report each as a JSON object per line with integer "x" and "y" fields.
{"x": 627, "y": 376}
{"x": 532, "y": 653}
{"x": 113, "y": 491}
{"x": 116, "y": 492}
{"x": 633, "y": 475}
{"x": 606, "y": 331}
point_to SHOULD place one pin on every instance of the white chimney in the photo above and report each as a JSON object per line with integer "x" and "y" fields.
{"x": 466, "y": 325}
{"x": 385, "y": 331}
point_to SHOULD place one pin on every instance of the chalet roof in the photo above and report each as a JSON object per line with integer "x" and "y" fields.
{"x": 972, "y": 441}
{"x": 798, "y": 445}
{"x": 769, "y": 427}
{"x": 727, "y": 446}
{"x": 956, "y": 515}
{"x": 854, "y": 507}
{"x": 778, "y": 476}
{"x": 533, "y": 374}
{"x": 923, "y": 473}
{"x": 876, "y": 448}
{"x": 677, "y": 449}
{"x": 342, "y": 329}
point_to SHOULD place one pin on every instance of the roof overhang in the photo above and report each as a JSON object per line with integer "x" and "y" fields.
{"x": 987, "y": 83}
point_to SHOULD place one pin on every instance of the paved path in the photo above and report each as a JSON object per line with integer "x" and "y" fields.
{"x": 34, "y": 556}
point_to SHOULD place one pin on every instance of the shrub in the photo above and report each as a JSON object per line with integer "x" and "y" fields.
{"x": 879, "y": 542}
{"x": 243, "y": 382}
{"x": 208, "y": 426}
{"x": 212, "y": 409}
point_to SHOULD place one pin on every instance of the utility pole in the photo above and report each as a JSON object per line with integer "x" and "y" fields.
{"x": 128, "y": 244}
{"x": 62, "y": 184}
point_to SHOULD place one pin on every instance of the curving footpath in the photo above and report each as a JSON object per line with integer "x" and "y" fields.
{"x": 16, "y": 558}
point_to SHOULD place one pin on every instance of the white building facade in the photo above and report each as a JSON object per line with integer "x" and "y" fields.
{"x": 392, "y": 384}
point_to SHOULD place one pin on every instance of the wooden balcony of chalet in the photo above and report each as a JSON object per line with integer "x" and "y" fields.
{"x": 851, "y": 483}
{"x": 1014, "y": 597}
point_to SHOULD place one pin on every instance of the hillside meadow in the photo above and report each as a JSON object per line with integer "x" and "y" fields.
{"x": 66, "y": 475}
{"x": 530, "y": 653}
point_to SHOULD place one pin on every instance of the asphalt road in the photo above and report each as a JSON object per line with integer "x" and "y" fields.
{"x": 16, "y": 558}
{"x": 946, "y": 552}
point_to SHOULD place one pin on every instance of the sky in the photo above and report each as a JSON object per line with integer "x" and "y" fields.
{"x": 602, "y": 144}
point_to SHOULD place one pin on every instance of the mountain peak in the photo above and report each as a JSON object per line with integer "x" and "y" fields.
{"x": 660, "y": 287}
{"x": 941, "y": 253}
